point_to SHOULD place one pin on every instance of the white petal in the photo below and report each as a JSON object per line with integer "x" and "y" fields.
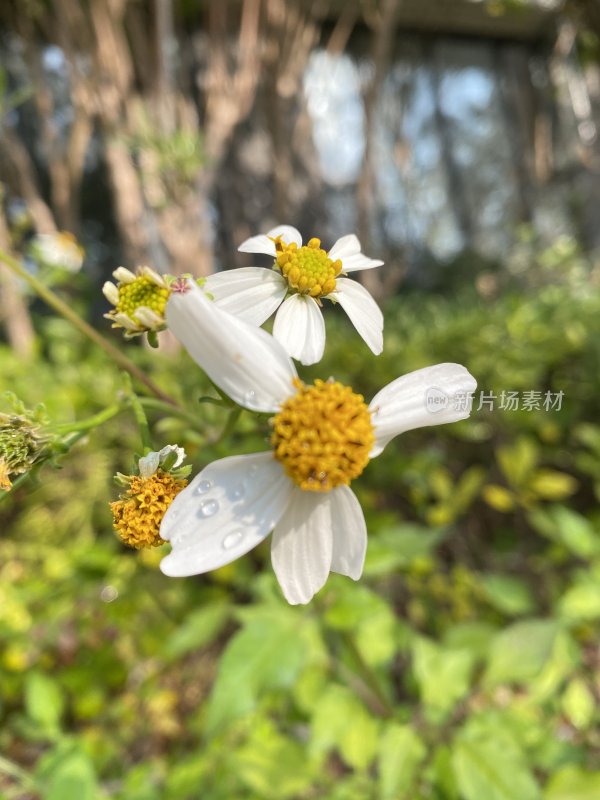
{"x": 301, "y": 547}
{"x": 244, "y": 361}
{"x": 348, "y": 250}
{"x": 349, "y": 533}
{"x": 149, "y": 464}
{"x": 172, "y": 448}
{"x": 124, "y": 275}
{"x": 287, "y": 233}
{"x": 110, "y": 291}
{"x": 430, "y": 396}
{"x": 125, "y": 321}
{"x": 148, "y": 317}
{"x": 154, "y": 276}
{"x": 300, "y": 328}
{"x": 363, "y": 311}
{"x": 225, "y": 511}
{"x": 258, "y": 244}
{"x": 250, "y": 293}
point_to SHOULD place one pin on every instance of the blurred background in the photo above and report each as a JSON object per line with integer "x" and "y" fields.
{"x": 459, "y": 140}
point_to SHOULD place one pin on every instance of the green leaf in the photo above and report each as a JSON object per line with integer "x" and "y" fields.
{"x": 44, "y": 701}
{"x": 73, "y": 779}
{"x": 517, "y": 461}
{"x": 569, "y": 528}
{"x": 489, "y": 770}
{"x": 507, "y": 594}
{"x": 342, "y": 722}
{"x": 572, "y": 783}
{"x": 401, "y": 752}
{"x": 268, "y": 653}
{"x": 581, "y": 602}
{"x": 519, "y": 652}
{"x": 400, "y": 546}
{"x": 372, "y": 622}
{"x": 201, "y": 627}
{"x": 551, "y": 485}
{"x": 272, "y": 765}
{"x": 578, "y": 704}
{"x": 443, "y": 675}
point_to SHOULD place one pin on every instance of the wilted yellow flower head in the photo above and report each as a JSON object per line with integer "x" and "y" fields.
{"x": 138, "y": 512}
{"x": 22, "y": 443}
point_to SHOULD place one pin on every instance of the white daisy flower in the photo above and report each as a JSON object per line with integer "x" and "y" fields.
{"x": 60, "y": 250}
{"x": 323, "y": 436}
{"x": 306, "y": 274}
{"x": 139, "y": 300}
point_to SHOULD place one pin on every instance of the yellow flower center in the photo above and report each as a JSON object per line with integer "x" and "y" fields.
{"x": 141, "y": 292}
{"x": 308, "y": 270}
{"x": 323, "y": 435}
{"x": 139, "y": 512}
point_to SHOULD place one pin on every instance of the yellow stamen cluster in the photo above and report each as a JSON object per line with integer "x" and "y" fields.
{"x": 141, "y": 292}
{"x": 323, "y": 435}
{"x": 139, "y": 512}
{"x": 308, "y": 270}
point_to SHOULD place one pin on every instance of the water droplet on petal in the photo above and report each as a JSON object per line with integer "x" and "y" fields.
{"x": 232, "y": 539}
{"x": 203, "y": 487}
{"x": 238, "y": 492}
{"x": 249, "y": 397}
{"x": 208, "y": 508}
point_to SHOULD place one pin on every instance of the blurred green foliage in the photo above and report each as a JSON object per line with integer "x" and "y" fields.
{"x": 463, "y": 666}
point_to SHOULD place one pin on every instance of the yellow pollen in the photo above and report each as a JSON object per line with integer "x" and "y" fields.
{"x": 323, "y": 435}
{"x": 308, "y": 270}
{"x": 5, "y": 483}
{"x": 141, "y": 292}
{"x": 139, "y": 512}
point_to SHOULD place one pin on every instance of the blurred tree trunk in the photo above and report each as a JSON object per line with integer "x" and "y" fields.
{"x": 382, "y": 20}
{"x": 123, "y": 82}
{"x": 14, "y": 314}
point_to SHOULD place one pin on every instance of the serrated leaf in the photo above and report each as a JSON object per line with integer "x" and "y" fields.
{"x": 341, "y": 722}
{"x": 519, "y": 652}
{"x": 73, "y": 779}
{"x": 401, "y": 751}
{"x": 487, "y": 770}
{"x": 266, "y": 654}
{"x": 443, "y": 675}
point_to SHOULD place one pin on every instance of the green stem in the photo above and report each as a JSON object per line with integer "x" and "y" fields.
{"x": 139, "y": 414}
{"x": 382, "y": 704}
{"x": 54, "y": 301}
{"x": 91, "y": 422}
{"x": 13, "y": 770}
{"x": 160, "y": 405}
{"x": 232, "y": 418}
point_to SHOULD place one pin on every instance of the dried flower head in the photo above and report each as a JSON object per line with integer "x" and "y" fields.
{"x": 138, "y": 512}
{"x": 23, "y": 442}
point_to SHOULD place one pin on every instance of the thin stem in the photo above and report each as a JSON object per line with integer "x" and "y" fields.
{"x": 160, "y": 405}
{"x": 18, "y": 773}
{"x": 54, "y": 301}
{"x": 91, "y": 422}
{"x": 368, "y": 676}
{"x": 139, "y": 414}
{"x": 232, "y": 419}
